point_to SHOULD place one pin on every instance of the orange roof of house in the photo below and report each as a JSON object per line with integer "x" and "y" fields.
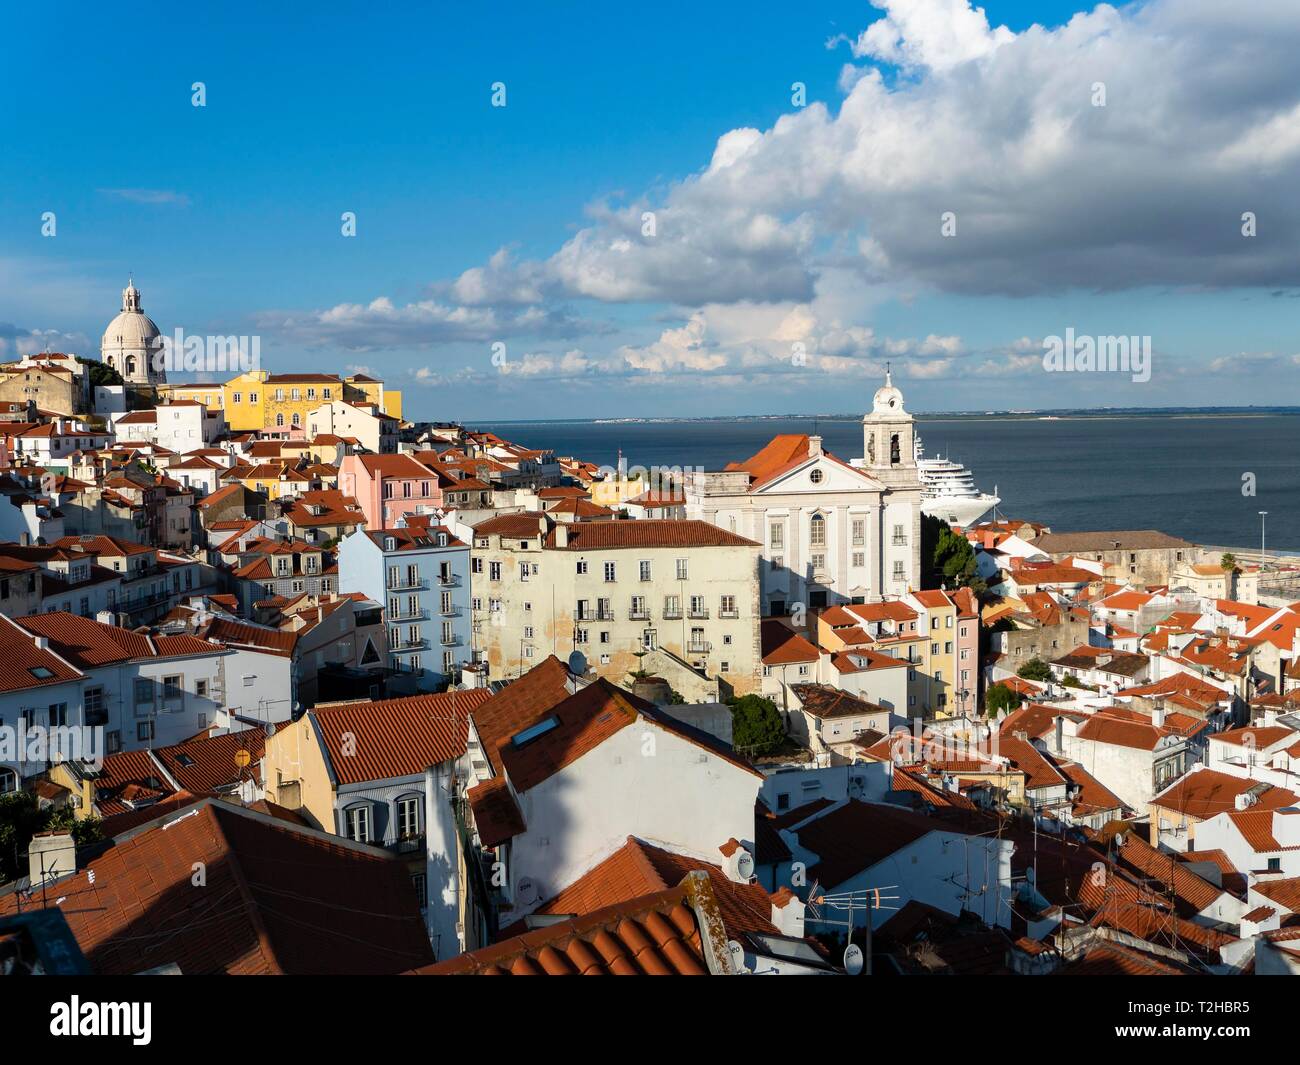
{"x": 639, "y": 868}
{"x": 396, "y": 737}
{"x": 277, "y": 900}
{"x": 782, "y": 645}
{"x": 1203, "y": 793}
{"x": 656, "y": 934}
{"x": 23, "y": 665}
{"x": 647, "y": 532}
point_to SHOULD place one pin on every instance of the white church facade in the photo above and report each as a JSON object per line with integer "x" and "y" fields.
{"x": 833, "y": 531}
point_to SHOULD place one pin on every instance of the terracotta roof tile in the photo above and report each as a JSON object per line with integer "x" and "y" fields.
{"x": 277, "y": 899}
{"x": 396, "y": 737}
{"x": 654, "y": 935}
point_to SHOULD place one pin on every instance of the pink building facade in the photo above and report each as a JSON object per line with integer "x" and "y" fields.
{"x": 389, "y": 486}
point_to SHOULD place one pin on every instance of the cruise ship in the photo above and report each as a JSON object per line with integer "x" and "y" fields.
{"x": 949, "y": 492}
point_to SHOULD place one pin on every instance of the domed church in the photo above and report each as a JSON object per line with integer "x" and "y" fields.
{"x": 132, "y": 344}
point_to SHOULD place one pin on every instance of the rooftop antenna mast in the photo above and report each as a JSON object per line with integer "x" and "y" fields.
{"x": 849, "y": 902}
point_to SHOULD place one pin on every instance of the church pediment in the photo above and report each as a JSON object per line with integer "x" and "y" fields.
{"x": 820, "y": 474}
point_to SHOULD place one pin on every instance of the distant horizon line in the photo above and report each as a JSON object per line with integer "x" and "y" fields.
{"x": 1062, "y": 413}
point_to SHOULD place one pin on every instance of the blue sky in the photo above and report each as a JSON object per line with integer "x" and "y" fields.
{"x": 816, "y": 231}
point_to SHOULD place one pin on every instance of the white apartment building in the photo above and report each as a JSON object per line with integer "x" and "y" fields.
{"x": 365, "y": 422}
{"x": 683, "y": 592}
{"x": 832, "y": 531}
{"x": 180, "y": 426}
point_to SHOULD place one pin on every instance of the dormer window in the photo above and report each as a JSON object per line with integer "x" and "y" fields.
{"x": 390, "y": 544}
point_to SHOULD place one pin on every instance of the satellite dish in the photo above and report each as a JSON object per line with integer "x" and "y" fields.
{"x": 737, "y": 955}
{"x": 745, "y": 865}
{"x": 242, "y": 758}
{"x": 578, "y": 664}
{"x": 853, "y": 960}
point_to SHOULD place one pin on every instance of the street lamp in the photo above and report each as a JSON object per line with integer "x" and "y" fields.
{"x": 1263, "y": 514}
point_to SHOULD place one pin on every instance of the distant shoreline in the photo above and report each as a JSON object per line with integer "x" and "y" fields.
{"x": 933, "y": 416}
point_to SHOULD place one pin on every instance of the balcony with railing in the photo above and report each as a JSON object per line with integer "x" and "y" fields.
{"x": 639, "y": 614}
{"x": 729, "y": 614}
{"x": 449, "y": 580}
{"x": 698, "y": 647}
{"x": 409, "y": 645}
{"x": 673, "y": 613}
{"x": 700, "y": 612}
{"x": 451, "y": 611}
{"x": 406, "y": 844}
{"x": 407, "y": 614}
{"x": 898, "y": 541}
{"x": 406, "y": 583}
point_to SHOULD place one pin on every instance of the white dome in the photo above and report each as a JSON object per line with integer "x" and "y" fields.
{"x": 132, "y": 340}
{"x": 131, "y": 331}
{"x": 888, "y": 400}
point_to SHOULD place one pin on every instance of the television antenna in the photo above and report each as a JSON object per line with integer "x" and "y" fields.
{"x": 866, "y": 900}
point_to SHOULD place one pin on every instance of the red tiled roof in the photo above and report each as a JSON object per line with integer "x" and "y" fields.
{"x": 396, "y": 737}
{"x": 126, "y": 780}
{"x": 496, "y": 814}
{"x": 656, "y": 934}
{"x": 638, "y": 868}
{"x": 23, "y": 665}
{"x": 207, "y": 763}
{"x": 647, "y": 532}
{"x": 1112, "y": 959}
{"x": 520, "y": 525}
{"x": 243, "y": 634}
{"x": 782, "y": 645}
{"x": 1286, "y": 893}
{"x": 276, "y": 900}
{"x": 1205, "y": 792}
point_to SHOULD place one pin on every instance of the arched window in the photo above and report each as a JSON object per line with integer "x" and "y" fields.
{"x": 279, "y": 420}
{"x": 817, "y": 531}
{"x": 297, "y": 418}
{"x": 130, "y": 366}
{"x": 894, "y": 453}
{"x": 8, "y": 781}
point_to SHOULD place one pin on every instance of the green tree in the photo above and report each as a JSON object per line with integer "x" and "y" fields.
{"x": 101, "y": 374}
{"x": 21, "y": 817}
{"x": 999, "y": 698}
{"x": 1035, "y": 669}
{"x": 1228, "y": 563}
{"x": 756, "y": 726}
{"x": 948, "y": 557}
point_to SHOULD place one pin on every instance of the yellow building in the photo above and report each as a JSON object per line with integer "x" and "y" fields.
{"x": 243, "y": 401}
{"x": 257, "y": 400}
{"x": 277, "y": 480}
{"x": 363, "y": 389}
{"x": 212, "y": 394}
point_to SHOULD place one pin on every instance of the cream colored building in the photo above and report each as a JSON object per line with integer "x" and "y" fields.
{"x": 365, "y": 422}
{"x": 832, "y": 531}
{"x": 685, "y": 592}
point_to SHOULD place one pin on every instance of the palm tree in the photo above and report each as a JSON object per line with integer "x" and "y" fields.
{"x": 1228, "y": 563}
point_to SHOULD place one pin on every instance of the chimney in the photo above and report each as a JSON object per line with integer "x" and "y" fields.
{"x": 814, "y": 446}
{"x": 1286, "y": 826}
{"x": 51, "y": 855}
{"x": 561, "y": 534}
{"x": 42, "y": 643}
{"x": 788, "y": 913}
{"x": 25, "y": 539}
{"x": 1158, "y": 717}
